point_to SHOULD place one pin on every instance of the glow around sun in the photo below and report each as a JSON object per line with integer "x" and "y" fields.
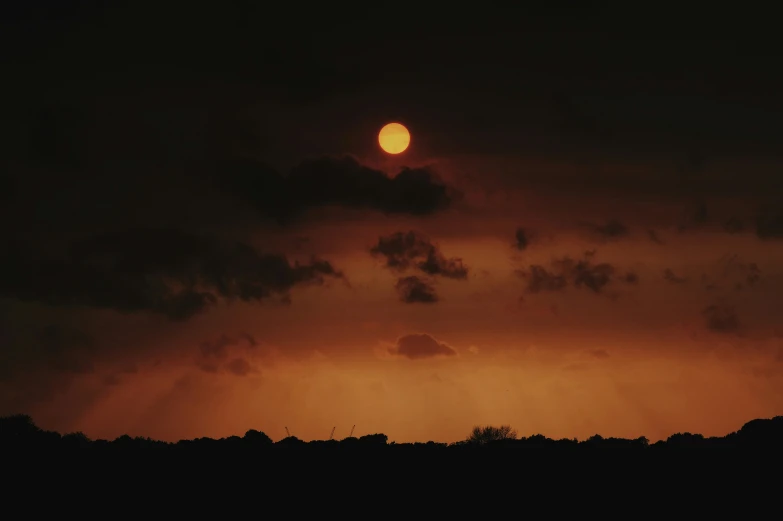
{"x": 394, "y": 138}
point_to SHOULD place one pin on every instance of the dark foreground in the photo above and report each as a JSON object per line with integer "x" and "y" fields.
{"x": 689, "y": 475}
{"x": 19, "y": 434}
{"x": 761, "y": 440}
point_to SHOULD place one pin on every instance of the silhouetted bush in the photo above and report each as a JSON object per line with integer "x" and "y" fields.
{"x": 254, "y": 437}
{"x": 489, "y": 434}
{"x": 373, "y": 440}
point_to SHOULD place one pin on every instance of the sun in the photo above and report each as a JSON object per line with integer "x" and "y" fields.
{"x": 394, "y": 138}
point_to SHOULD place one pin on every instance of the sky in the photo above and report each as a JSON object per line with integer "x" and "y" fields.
{"x": 201, "y": 234}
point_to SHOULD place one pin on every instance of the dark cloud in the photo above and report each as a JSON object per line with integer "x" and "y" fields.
{"x": 613, "y": 229}
{"x": 700, "y": 214}
{"x": 670, "y": 276}
{"x": 523, "y": 239}
{"x": 130, "y": 369}
{"x": 631, "y": 278}
{"x": 565, "y": 272}
{"x": 734, "y": 225}
{"x": 694, "y": 218}
{"x": 599, "y": 353}
{"x": 167, "y": 272}
{"x": 239, "y": 367}
{"x": 402, "y": 250}
{"x": 754, "y": 275}
{"x": 732, "y": 273}
{"x": 250, "y": 339}
{"x": 708, "y": 286}
{"x": 39, "y": 363}
{"x": 653, "y": 235}
{"x": 215, "y": 354}
{"x": 738, "y": 273}
{"x": 414, "y": 289}
{"x": 769, "y": 223}
{"x": 332, "y": 181}
{"x": 721, "y": 319}
{"x": 405, "y": 250}
{"x": 540, "y": 279}
{"x": 117, "y": 377}
{"x": 32, "y": 389}
{"x": 208, "y": 365}
{"x": 593, "y": 276}
{"x": 410, "y": 250}
{"x": 216, "y": 349}
{"x": 55, "y": 348}
{"x": 418, "y": 346}
{"x": 67, "y": 349}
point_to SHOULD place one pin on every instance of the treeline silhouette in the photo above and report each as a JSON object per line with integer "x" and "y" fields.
{"x": 19, "y": 432}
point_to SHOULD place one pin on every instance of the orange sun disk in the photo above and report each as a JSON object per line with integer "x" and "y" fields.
{"x": 394, "y": 138}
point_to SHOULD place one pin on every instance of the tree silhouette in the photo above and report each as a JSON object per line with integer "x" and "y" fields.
{"x": 76, "y": 440}
{"x": 255, "y": 437}
{"x": 373, "y": 439}
{"x": 18, "y": 426}
{"x": 488, "y": 433}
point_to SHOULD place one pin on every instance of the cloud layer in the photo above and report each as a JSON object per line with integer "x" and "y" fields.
{"x": 340, "y": 181}
{"x": 167, "y": 272}
{"x": 421, "y": 345}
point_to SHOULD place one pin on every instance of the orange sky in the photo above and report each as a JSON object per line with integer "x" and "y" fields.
{"x": 635, "y": 360}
